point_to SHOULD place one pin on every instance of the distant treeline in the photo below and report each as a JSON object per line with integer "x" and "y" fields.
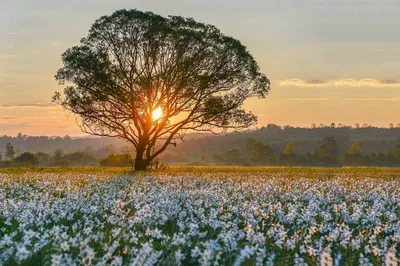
{"x": 373, "y": 142}
{"x": 46, "y": 144}
{"x": 269, "y": 145}
{"x": 325, "y": 154}
{"x": 86, "y": 157}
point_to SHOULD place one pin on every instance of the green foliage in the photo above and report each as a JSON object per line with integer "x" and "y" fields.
{"x": 218, "y": 159}
{"x": 354, "y": 157}
{"x": 117, "y": 160}
{"x": 231, "y": 157}
{"x": 395, "y": 151}
{"x": 44, "y": 158}
{"x": 10, "y": 152}
{"x": 355, "y": 149}
{"x": 290, "y": 150}
{"x": 250, "y": 143}
{"x": 58, "y": 155}
{"x": 27, "y": 158}
{"x": 327, "y": 152}
{"x": 260, "y": 153}
{"x": 133, "y": 62}
{"x": 80, "y": 158}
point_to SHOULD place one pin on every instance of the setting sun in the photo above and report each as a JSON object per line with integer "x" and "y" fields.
{"x": 157, "y": 113}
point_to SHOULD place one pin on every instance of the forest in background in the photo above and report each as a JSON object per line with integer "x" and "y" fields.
{"x": 270, "y": 145}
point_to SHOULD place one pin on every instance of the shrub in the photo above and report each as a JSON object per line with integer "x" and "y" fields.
{"x": 27, "y": 158}
{"x": 117, "y": 160}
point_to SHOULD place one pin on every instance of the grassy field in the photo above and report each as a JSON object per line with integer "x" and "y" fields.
{"x": 200, "y": 216}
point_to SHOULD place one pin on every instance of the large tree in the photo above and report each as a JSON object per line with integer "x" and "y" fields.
{"x": 148, "y": 79}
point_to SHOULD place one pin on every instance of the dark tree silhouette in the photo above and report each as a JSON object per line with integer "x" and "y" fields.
{"x": 249, "y": 144}
{"x": 133, "y": 63}
{"x": 10, "y": 152}
{"x": 260, "y": 153}
{"x": 27, "y": 157}
{"x": 328, "y": 151}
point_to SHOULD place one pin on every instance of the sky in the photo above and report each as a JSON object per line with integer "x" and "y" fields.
{"x": 328, "y": 60}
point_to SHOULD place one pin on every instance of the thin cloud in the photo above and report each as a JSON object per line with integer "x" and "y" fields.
{"x": 30, "y": 105}
{"x": 8, "y": 117}
{"x": 303, "y": 98}
{"x": 372, "y": 98}
{"x": 8, "y": 56}
{"x": 12, "y": 33}
{"x": 341, "y": 83}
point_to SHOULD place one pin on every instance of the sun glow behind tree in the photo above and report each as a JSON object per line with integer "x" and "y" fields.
{"x": 157, "y": 113}
{"x": 136, "y": 72}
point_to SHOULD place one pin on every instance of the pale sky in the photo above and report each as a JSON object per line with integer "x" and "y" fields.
{"x": 328, "y": 60}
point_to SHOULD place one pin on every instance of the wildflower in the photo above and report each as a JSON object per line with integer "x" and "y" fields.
{"x": 326, "y": 259}
{"x": 179, "y": 256}
{"x": 390, "y": 258}
{"x": 56, "y": 259}
{"x": 22, "y": 253}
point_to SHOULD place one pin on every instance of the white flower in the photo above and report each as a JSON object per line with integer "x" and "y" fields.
{"x": 56, "y": 259}
{"x": 22, "y": 253}
{"x": 391, "y": 259}
{"x": 195, "y": 252}
{"x": 64, "y": 246}
{"x": 111, "y": 220}
{"x": 247, "y": 252}
{"x": 326, "y": 259}
{"x": 179, "y": 256}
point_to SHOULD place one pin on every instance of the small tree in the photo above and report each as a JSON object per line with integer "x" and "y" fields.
{"x": 58, "y": 155}
{"x": 232, "y": 157}
{"x": 148, "y": 79}
{"x": 10, "y": 152}
{"x": 116, "y": 160}
{"x": 290, "y": 150}
{"x": 28, "y": 158}
{"x": 260, "y": 153}
{"x": 353, "y": 155}
{"x": 394, "y": 154}
{"x": 355, "y": 149}
{"x": 43, "y": 158}
{"x": 19, "y": 137}
{"x": 328, "y": 151}
{"x": 250, "y": 143}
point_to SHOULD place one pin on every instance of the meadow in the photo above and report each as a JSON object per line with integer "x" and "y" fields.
{"x": 200, "y": 216}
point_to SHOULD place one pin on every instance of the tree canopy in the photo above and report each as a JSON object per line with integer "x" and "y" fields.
{"x": 290, "y": 149}
{"x": 133, "y": 63}
{"x": 27, "y": 157}
{"x": 355, "y": 149}
{"x": 10, "y": 152}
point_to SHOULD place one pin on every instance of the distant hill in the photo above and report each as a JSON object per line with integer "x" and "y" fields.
{"x": 371, "y": 140}
{"x": 198, "y": 146}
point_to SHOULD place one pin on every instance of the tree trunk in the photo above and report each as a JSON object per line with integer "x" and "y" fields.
{"x": 140, "y": 163}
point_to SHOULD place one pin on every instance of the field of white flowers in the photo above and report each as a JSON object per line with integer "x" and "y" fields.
{"x": 279, "y": 218}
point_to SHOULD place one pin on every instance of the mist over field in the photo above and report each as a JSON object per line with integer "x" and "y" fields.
{"x": 235, "y": 148}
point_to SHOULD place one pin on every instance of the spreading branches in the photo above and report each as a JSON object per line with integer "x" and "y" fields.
{"x": 133, "y": 62}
